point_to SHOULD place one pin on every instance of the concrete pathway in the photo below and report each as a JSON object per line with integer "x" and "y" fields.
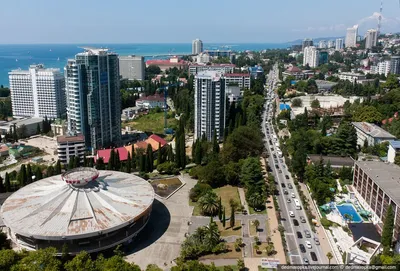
{"x": 243, "y": 201}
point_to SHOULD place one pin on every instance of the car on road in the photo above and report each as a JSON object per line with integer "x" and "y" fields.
{"x": 313, "y": 256}
{"x": 283, "y": 185}
{"x": 285, "y": 192}
{"x": 291, "y": 214}
{"x": 316, "y": 240}
{"x": 302, "y": 248}
{"x": 279, "y": 170}
{"x": 287, "y": 177}
{"x": 299, "y": 235}
{"x": 274, "y": 155}
{"x": 302, "y": 219}
{"x": 307, "y": 233}
{"x": 308, "y": 244}
{"x": 290, "y": 186}
{"x": 289, "y": 200}
{"x": 276, "y": 166}
{"x": 305, "y": 260}
{"x": 295, "y": 222}
{"x": 293, "y": 195}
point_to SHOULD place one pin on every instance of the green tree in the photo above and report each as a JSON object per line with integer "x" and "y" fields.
{"x": 315, "y": 104}
{"x": 215, "y": 143}
{"x": 392, "y": 82}
{"x": 256, "y": 224}
{"x": 240, "y": 265}
{"x": 7, "y": 184}
{"x": 198, "y": 152}
{"x": 50, "y": 171}
{"x": 8, "y": 259}
{"x": 111, "y": 160}
{"x": 81, "y": 262}
{"x": 256, "y": 200}
{"x": 223, "y": 218}
{"x": 329, "y": 256}
{"x": 115, "y": 263}
{"x": 22, "y": 178}
{"x": 220, "y": 209}
{"x": 232, "y": 218}
{"x": 209, "y": 203}
{"x": 150, "y": 160}
{"x": 297, "y": 102}
{"x": 129, "y": 163}
{"x": 38, "y": 174}
{"x": 2, "y": 188}
{"x": 387, "y": 231}
{"x": 38, "y": 130}
{"x": 42, "y": 259}
{"x": 100, "y": 164}
{"x": 117, "y": 165}
{"x": 153, "y": 267}
{"x": 71, "y": 162}
{"x": 58, "y": 167}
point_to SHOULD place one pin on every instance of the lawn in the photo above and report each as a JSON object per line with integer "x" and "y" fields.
{"x": 228, "y": 231}
{"x": 253, "y": 230}
{"x": 231, "y": 254}
{"x": 221, "y": 268}
{"x": 226, "y": 193}
{"x": 152, "y": 122}
{"x": 262, "y": 249}
{"x": 252, "y": 211}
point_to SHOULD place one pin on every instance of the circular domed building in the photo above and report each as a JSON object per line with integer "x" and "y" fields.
{"x": 84, "y": 208}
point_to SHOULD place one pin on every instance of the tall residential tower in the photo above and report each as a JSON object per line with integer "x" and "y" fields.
{"x": 351, "y": 36}
{"x": 197, "y": 47}
{"x": 93, "y": 97}
{"x": 209, "y": 105}
{"x": 311, "y": 56}
{"x": 37, "y": 92}
{"x": 371, "y": 38}
{"x": 132, "y": 67}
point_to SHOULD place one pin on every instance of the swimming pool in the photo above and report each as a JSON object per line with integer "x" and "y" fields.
{"x": 349, "y": 209}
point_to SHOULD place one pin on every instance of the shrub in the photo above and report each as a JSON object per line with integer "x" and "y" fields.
{"x": 168, "y": 168}
{"x": 198, "y": 190}
{"x": 195, "y": 172}
{"x": 326, "y": 223}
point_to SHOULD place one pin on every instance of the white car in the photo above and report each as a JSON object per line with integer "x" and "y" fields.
{"x": 308, "y": 244}
{"x": 293, "y": 195}
{"x": 289, "y": 201}
{"x": 291, "y": 214}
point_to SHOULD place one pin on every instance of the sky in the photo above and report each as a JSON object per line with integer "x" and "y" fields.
{"x": 181, "y": 21}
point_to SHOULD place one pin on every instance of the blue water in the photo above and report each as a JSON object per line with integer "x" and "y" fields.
{"x": 23, "y": 55}
{"x": 349, "y": 209}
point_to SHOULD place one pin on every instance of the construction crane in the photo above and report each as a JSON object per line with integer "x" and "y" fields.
{"x": 380, "y": 19}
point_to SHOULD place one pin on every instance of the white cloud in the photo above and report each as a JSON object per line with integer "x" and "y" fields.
{"x": 337, "y": 27}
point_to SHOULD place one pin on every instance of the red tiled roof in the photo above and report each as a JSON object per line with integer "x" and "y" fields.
{"x": 293, "y": 69}
{"x": 105, "y": 154}
{"x": 237, "y": 74}
{"x": 141, "y": 145}
{"x": 3, "y": 148}
{"x": 158, "y": 139}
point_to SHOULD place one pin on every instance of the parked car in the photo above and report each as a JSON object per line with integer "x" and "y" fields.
{"x": 293, "y": 195}
{"x": 287, "y": 177}
{"x": 295, "y": 222}
{"x": 283, "y": 185}
{"x": 316, "y": 240}
{"x": 302, "y": 248}
{"x": 302, "y": 219}
{"x": 289, "y": 200}
{"x": 276, "y": 166}
{"x": 305, "y": 260}
{"x": 280, "y": 171}
{"x": 308, "y": 244}
{"x": 313, "y": 256}
{"x": 291, "y": 214}
{"x": 290, "y": 186}
{"x": 285, "y": 192}
{"x": 299, "y": 235}
{"x": 307, "y": 233}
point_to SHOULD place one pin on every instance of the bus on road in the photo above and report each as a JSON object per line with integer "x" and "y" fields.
{"x": 297, "y": 204}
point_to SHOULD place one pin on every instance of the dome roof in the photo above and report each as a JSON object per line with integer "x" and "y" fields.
{"x": 59, "y": 207}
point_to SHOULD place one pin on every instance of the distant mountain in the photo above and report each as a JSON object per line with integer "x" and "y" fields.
{"x": 316, "y": 40}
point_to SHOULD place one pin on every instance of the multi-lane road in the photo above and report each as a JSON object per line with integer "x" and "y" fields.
{"x": 294, "y": 220}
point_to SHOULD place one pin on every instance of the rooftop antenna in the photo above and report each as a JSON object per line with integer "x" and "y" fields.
{"x": 380, "y": 19}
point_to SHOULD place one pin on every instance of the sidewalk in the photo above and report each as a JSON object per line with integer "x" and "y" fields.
{"x": 323, "y": 238}
{"x": 243, "y": 199}
{"x": 273, "y": 224}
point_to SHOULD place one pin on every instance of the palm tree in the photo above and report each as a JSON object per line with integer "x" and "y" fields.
{"x": 270, "y": 249}
{"x": 256, "y": 224}
{"x": 329, "y": 256}
{"x": 212, "y": 235}
{"x": 257, "y": 240}
{"x": 256, "y": 200}
{"x": 209, "y": 203}
{"x": 257, "y": 248}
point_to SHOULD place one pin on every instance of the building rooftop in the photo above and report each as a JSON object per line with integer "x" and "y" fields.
{"x": 395, "y": 144}
{"x": 24, "y": 121}
{"x": 105, "y": 154}
{"x": 237, "y": 74}
{"x": 53, "y": 209}
{"x": 209, "y": 74}
{"x": 387, "y": 176}
{"x": 373, "y": 130}
{"x": 364, "y": 230}
{"x": 155, "y": 97}
{"x": 70, "y": 138}
{"x": 214, "y": 65}
{"x": 337, "y": 161}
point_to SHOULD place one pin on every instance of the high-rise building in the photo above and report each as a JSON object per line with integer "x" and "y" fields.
{"x": 311, "y": 56}
{"x": 384, "y": 67}
{"x": 371, "y": 38}
{"x": 395, "y": 65}
{"x": 331, "y": 44}
{"x": 322, "y": 44}
{"x": 209, "y": 105}
{"x": 37, "y": 92}
{"x": 93, "y": 97}
{"x": 307, "y": 43}
{"x": 132, "y": 67}
{"x": 197, "y": 47}
{"x": 339, "y": 44}
{"x": 351, "y": 36}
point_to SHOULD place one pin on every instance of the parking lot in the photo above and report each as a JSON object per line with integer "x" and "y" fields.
{"x": 47, "y": 144}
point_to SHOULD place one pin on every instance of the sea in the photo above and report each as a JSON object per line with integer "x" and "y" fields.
{"x": 21, "y": 56}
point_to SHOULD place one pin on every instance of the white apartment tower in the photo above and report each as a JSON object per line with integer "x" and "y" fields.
{"x": 351, "y": 36}
{"x": 384, "y": 67}
{"x": 339, "y": 44}
{"x": 197, "y": 47}
{"x": 371, "y": 38}
{"x": 322, "y": 44}
{"x": 311, "y": 56}
{"x": 37, "y": 92}
{"x": 209, "y": 105}
{"x": 132, "y": 67}
{"x": 331, "y": 44}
